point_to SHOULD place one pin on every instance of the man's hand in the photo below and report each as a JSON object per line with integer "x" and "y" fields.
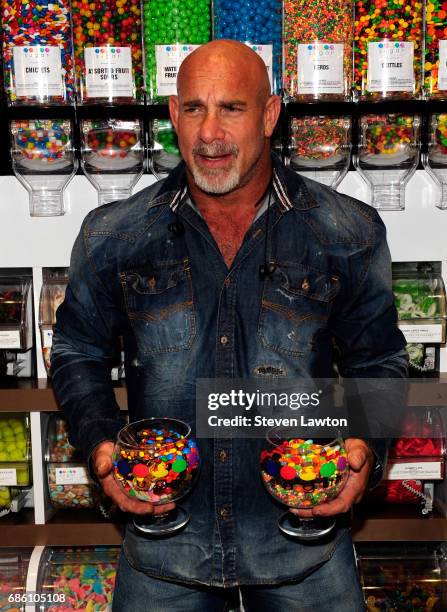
{"x": 102, "y": 464}
{"x": 361, "y": 461}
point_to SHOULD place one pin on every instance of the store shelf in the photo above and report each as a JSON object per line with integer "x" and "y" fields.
{"x": 397, "y": 524}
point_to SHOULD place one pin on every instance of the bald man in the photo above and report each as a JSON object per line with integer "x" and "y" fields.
{"x": 231, "y": 267}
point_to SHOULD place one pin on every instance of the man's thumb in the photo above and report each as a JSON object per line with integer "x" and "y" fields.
{"x": 103, "y": 464}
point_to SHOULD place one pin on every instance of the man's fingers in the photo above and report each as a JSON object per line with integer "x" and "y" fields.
{"x": 126, "y": 504}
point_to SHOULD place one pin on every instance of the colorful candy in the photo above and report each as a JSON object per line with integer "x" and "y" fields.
{"x": 317, "y": 49}
{"x": 172, "y": 30}
{"x": 301, "y": 474}
{"x": 108, "y": 50}
{"x": 318, "y": 139}
{"x": 70, "y": 495}
{"x": 113, "y": 142}
{"x": 160, "y": 467}
{"x": 165, "y": 153}
{"x": 388, "y": 134}
{"x": 37, "y": 51}
{"x": 13, "y": 570}
{"x": 435, "y": 67}
{"x": 259, "y": 24}
{"x": 417, "y": 299}
{"x": 45, "y": 141}
{"x": 11, "y": 304}
{"x": 387, "y": 48}
{"x": 59, "y": 448}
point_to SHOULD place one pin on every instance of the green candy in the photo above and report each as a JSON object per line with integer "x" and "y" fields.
{"x": 328, "y": 469}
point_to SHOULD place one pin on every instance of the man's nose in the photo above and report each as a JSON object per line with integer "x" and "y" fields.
{"x": 211, "y": 129}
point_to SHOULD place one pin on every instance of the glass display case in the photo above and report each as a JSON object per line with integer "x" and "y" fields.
{"x": 423, "y": 359}
{"x": 318, "y": 50}
{"x": 13, "y": 571}
{"x": 171, "y": 30}
{"x": 51, "y": 296}
{"x": 259, "y": 28}
{"x": 419, "y": 295}
{"x": 69, "y": 484}
{"x": 85, "y": 577}
{"x": 108, "y": 51}
{"x": 435, "y": 63}
{"x": 320, "y": 147}
{"x": 388, "y": 155}
{"x": 112, "y": 156}
{"x": 43, "y": 160}
{"x": 16, "y": 324}
{"x": 15, "y": 450}
{"x": 409, "y": 578}
{"x": 37, "y": 52}
{"x": 164, "y": 153}
{"x": 435, "y": 159}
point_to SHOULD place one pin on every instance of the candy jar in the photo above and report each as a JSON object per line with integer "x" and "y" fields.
{"x": 435, "y": 160}
{"x": 435, "y": 66}
{"x": 157, "y": 460}
{"x": 317, "y": 50}
{"x": 259, "y": 25}
{"x": 388, "y": 49}
{"x": 112, "y": 156}
{"x": 77, "y": 578}
{"x": 15, "y": 450}
{"x": 108, "y": 51}
{"x": 13, "y": 572}
{"x": 164, "y": 153}
{"x": 52, "y": 295}
{"x": 37, "y": 52}
{"x": 319, "y": 148}
{"x": 172, "y": 30}
{"x": 388, "y": 155}
{"x": 302, "y": 474}
{"x": 44, "y": 162}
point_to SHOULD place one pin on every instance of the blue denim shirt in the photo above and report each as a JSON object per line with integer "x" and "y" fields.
{"x": 184, "y": 315}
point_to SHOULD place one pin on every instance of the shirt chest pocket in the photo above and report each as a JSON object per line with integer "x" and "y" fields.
{"x": 296, "y": 304}
{"x": 159, "y": 304}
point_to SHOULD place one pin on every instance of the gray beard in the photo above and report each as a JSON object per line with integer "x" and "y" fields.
{"x": 209, "y": 181}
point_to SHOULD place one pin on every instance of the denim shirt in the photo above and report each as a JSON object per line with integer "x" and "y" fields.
{"x": 183, "y": 314}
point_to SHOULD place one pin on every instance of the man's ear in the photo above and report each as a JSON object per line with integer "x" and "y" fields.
{"x": 271, "y": 114}
{"x": 173, "y": 110}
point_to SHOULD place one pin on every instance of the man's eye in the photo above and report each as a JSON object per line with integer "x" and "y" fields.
{"x": 191, "y": 109}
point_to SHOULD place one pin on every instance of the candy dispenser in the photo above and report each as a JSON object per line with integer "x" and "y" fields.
{"x": 319, "y": 148}
{"x": 388, "y": 155}
{"x": 112, "y": 156}
{"x": 37, "y": 52}
{"x": 164, "y": 153}
{"x": 420, "y": 300}
{"x": 435, "y": 160}
{"x": 44, "y": 162}
{"x": 16, "y": 326}
{"x": 409, "y": 578}
{"x": 423, "y": 359}
{"x": 108, "y": 51}
{"x": 171, "y": 31}
{"x": 13, "y": 571}
{"x": 435, "y": 67}
{"x": 83, "y": 578}
{"x": 317, "y": 50}
{"x": 69, "y": 484}
{"x": 51, "y": 296}
{"x": 388, "y": 49}
{"x": 259, "y": 26}
{"x": 15, "y": 450}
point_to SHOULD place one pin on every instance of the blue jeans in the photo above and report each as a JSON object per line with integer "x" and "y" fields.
{"x": 333, "y": 587}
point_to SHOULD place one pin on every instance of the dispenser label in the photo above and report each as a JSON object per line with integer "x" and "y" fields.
{"x": 416, "y": 470}
{"x": 72, "y": 475}
{"x": 266, "y": 53}
{"x": 429, "y": 333}
{"x": 390, "y": 66}
{"x": 169, "y": 59}
{"x": 442, "y": 75}
{"x": 38, "y": 71}
{"x": 108, "y": 72}
{"x": 8, "y": 477}
{"x": 47, "y": 338}
{"x": 320, "y": 68}
{"x": 10, "y": 339}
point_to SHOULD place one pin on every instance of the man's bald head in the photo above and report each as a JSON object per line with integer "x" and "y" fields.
{"x": 221, "y": 58}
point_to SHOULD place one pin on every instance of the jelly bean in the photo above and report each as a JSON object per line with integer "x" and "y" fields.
{"x": 435, "y": 67}
{"x": 171, "y": 31}
{"x": 387, "y": 134}
{"x": 108, "y": 50}
{"x": 35, "y": 28}
{"x": 259, "y": 24}
{"x": 317, "y": 37}
{"x": 387, "y": 34}
{"x": 302, "y": 474}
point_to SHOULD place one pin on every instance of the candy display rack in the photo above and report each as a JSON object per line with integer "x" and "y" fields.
{"x": 51, "y": 296}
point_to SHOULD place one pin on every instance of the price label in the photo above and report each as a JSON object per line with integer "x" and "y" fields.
{"x": 442, "y": 75}
{"x": 169, "y": 59}
{"x": 72, "y": 475}
{"x": 417, "y": 470}
{"x": 108, "y": 72}
{"x": 266, "y": 53}
{"x": 47, "y": 338}
{"x": 425, "y": 334}
{"x": 8, "y": 477}
{"x": 10, "y": 339}
{"x": 38, "y": 71}
{"x": 320, "y": 68}
{"x": 390, "y": 66}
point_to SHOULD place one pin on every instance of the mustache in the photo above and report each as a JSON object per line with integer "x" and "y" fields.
{"x": 215, "y": 149}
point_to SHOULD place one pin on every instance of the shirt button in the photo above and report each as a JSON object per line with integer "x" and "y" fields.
{"x": 227, "y": 281}
{"x": 224, "y": 340}
{"x": 224, "y": 513}
{"x": 223, "y": 455}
